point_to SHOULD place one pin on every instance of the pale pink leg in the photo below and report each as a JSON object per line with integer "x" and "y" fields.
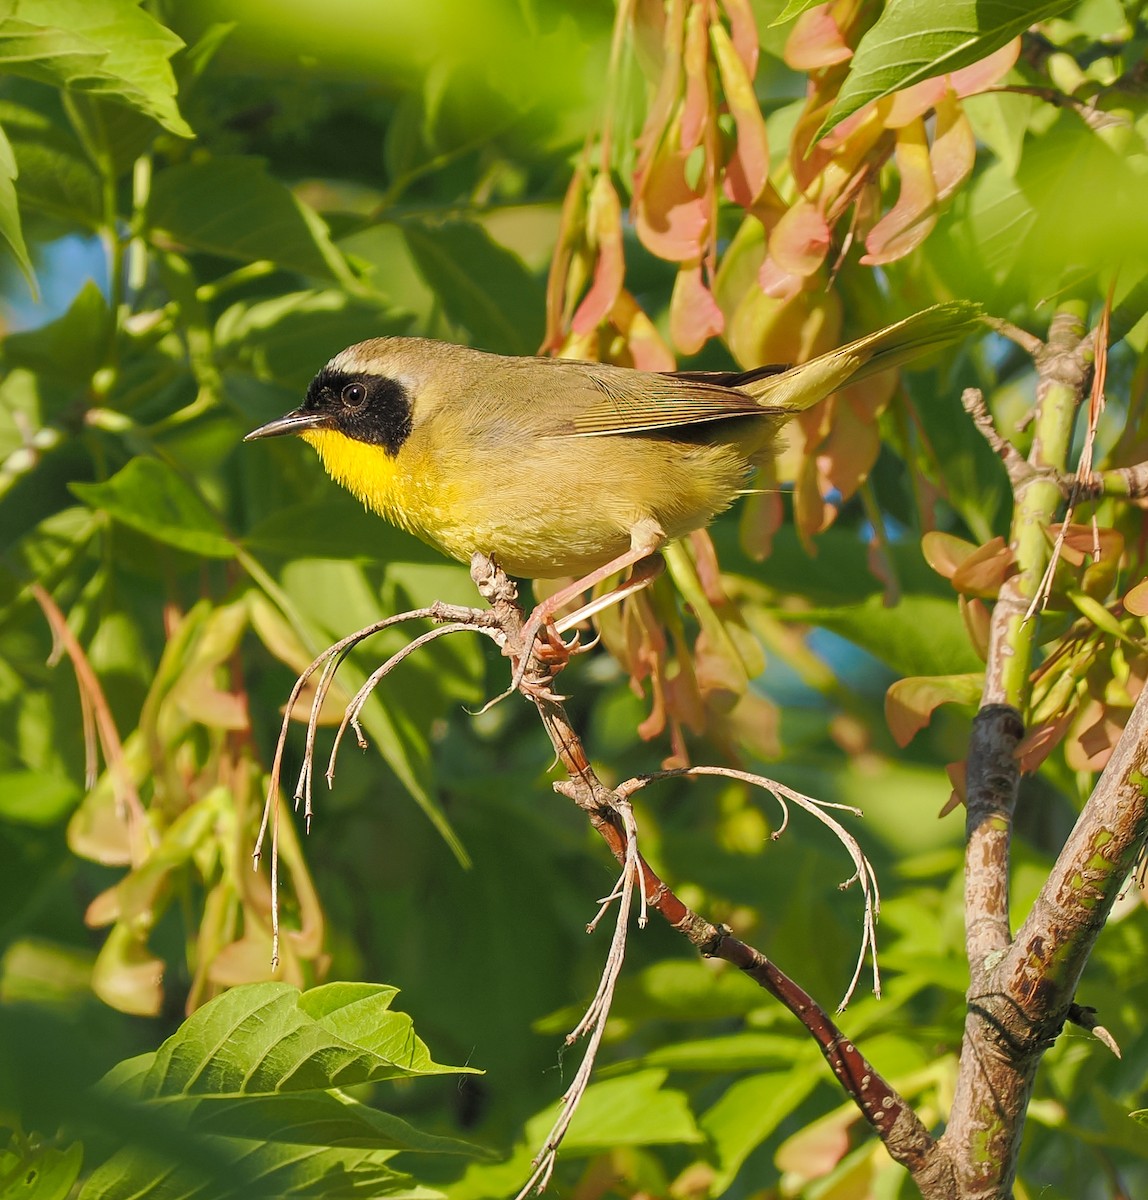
{"x": 646, "y": 538}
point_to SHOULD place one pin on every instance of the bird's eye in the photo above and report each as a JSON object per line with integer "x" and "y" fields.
{"x": 353, "y": 395}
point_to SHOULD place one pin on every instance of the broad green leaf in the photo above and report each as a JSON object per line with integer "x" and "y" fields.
{"x": 149, "y": 496}
{"x": 336, "y": 527}
{"x": 922, "y": 635}
{"x": 749, "y": 1111}
{"x": 10, "y": 228}
{"x": 289, "y": 338}
{"x": 837, "y": 575}
{"x": 245, "y": 1170}
{"x": 636, "y": 1110}
{"x": 36, "y": 798}
{"x": 55, "y": 178}
{"x": 44, "y": 552}
{"x": 112, "y": 48}
{"x": 794, "y": 8}
{"x": 35, "y": 1170}
{"x": 268, "y": 1038}
{"x": 920, "y": 39}
{"x": 1000, "y": 120}
{"x": 340, "y": 599}
{"x": 675, "y": 989}
{"x": 749, "y": 1050}
{"x": 1019, "y": 233}
{"x": 481, "y": 285}
{"x": 328, "y": 1118}
{"x": 47, "y": 974}
{"x": 70, "y": 349}
{"x": 232, "y": 207}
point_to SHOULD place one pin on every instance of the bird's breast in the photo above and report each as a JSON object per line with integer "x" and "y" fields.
{"x": 400, "y": 487}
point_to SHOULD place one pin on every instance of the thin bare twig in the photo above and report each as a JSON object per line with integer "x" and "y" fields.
{"x": 863, "y": 868}
{"x": 329, "y": 660}
{"x": 597, "y": 1013}
{"x": 610, "y": 813}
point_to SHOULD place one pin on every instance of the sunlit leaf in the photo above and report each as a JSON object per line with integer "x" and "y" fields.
{"x": 36, "y": 797}
{"x": 749, "y": 1112}
{"x": 604, "y": 230}
{"x": 234, "y": 208}
{"x": 482, "y": 286}
{"x": 10, "y": 228}
{"x": 268, "y": 1038}
{"x": 149, "y": 496}
{"x": 815, "y": 41}
{"x": 694, "y": 314}
{"x": 912, "y": 218}
{"x": 917, "y": 39}
{"x": 752, "y": 148}
{"x": 1136, "y": 599}
{"x": 31, "y": 1169}
{"x": 636, "y": 1110}
{"x": 112, "y": 48}
{"x": 910, "y": 703}
{"x": 672, "y": 218}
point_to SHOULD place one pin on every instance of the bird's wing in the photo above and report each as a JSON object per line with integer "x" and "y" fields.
{"x": 640, "y": 401}
{"x": 731, "y": 379}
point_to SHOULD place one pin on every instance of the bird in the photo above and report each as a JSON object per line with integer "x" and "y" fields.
{"x": 559, "y": 468}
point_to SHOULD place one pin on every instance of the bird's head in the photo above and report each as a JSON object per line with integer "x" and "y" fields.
{"x": 366, "y": 393}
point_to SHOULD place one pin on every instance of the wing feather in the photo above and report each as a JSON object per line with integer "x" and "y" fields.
{"x": 645, "y": 402}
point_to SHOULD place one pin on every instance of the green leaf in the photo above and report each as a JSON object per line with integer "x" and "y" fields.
{"x": 268, "y": 1038}
{"x": 310, "y": 1119}
{"x": 149, "y": 496}
{"x": 339, "y": 597}
{"x": 920, "y": 39}
{"x": 288, "y": 338}
{"x": 922, "y": 635}
{"x": 234, "y": 208}
{"x": 336, "y": 527}
{"x": 70, "y": 349}
{"x": 10, "y": 229}
{"x": 633, "y": 1111}
{"x": 481, "y": 285}
{"x": 749, "y": 1111}
{"x": 244, "y": 1170}
{"x": 749, "y": 1050}
{"x": 55, "y": 178}
{"x": 111, "y": 48}
{"x": 36, "y": 798}
{"x": 30, "y": 1170}
{"x": 793, "y": 9}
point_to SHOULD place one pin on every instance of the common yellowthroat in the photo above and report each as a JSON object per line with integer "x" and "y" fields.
{"x": 557, "y": 467}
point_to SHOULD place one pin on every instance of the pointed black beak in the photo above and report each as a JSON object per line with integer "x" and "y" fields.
{"x": 293, "y": 422}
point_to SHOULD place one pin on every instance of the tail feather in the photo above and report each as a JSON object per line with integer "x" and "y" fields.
{"x": 803, "y": 386}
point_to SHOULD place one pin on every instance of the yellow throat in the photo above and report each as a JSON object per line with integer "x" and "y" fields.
{"x": 400, "y": 494}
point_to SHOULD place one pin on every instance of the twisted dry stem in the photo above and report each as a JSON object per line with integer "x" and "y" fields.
{"x": 610, "y": 814}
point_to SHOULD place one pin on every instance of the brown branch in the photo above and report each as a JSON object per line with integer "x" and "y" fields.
{"x": 905, "y": 1137}
{"x": 1028, "y": 342}
{"x": 1129, "y": 482}
{"x": 973, "y": 402}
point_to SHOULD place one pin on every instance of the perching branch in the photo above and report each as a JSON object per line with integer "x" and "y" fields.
{"x": 609, "y": 811}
